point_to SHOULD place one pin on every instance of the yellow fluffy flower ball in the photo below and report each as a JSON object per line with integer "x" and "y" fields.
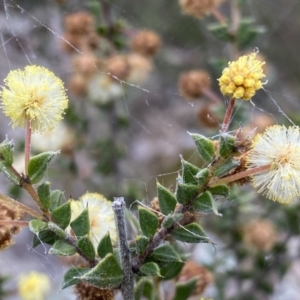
{"x": 242, "y": 78}
{"x": 34, "y": 94}
{"x": 101, "y": 216}
{"x": 34, "y": 286}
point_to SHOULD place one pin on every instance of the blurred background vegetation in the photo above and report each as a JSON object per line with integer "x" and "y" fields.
{"x": 120, "y": 144}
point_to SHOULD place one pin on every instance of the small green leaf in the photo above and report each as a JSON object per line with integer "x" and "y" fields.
{"x": 220, "y": 31}
{"x": 171, "y": 270}
{"x": 165, "y": 253}
{"x": 205, "y": 204}
{"x": 227, "y": 142}
{"x": 62, "y": 215}
{"x": 144, "y": 289}
{"x": 148, "y": 221}
{"x": 86, "y": 246}
{"x": 141, "y": 243}
{"x": 205, "y": 147}
{"x": 43, "y": 191}
{"x": 44, "y": 236}
{"x": 184, "y": 290}
{"x": 55, "y": 199}
{"x": 38, "y": 165}
{"x": 189, "y": 172}
{"x": 61, "y": 248}
{"x": 202, "y": 177}
{"x": 107, "y": 274}
{"x": 105, "y": 246}
{"x": 226, "y": 167}
{"x": 191, "y": 233}
{"x": 166, "y": 199}
{"x": 8, "y": 173}
{"x": 150, "y": 269}
{"x": 57, "y": 230}
{"x": 7, "y": 151}
{"x": 71, "y": 277}
{"x": 171, "y": 219}
{"x": 36, "y": 226}
{"x": 222, "y": 190}
{"x": 186, "y": 192}
{"x": 81, "y": 225}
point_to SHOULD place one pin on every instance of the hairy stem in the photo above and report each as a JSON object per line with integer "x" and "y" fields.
{"x": 127, "y": 286}
{"x": 228, "y": 114}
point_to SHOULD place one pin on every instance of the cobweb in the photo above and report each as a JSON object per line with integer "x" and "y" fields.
{"x": 31, "y": 32}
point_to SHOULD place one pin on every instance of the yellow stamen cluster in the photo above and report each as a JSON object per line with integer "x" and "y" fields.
{"x": 34, "y": 94}
{"x": 242, "y": 78}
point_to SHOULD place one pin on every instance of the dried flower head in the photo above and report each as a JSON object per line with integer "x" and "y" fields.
{"x": 79, "y": 23}
{"x": 101, "y": 216}
{"x": 85, "y": 64}
{"x": 34, "y": 94}
{"x": 198, "y": 8}
{"x": 260, "y": 234}
{"x": 34, "y": 286}
{"x": 191, "y": 84}
{"x": 140, "y": 68}
{"x": 78, "y": 84}
{"x": 242, "y": 78}
{"x": 146, "y": 43}
{"x": 8, "y": 213}
{"x": 279, "y": 148}
{"x": 190, "y": 270}
{"x": 117, "y": 66}
{"x": 86, "y": 291}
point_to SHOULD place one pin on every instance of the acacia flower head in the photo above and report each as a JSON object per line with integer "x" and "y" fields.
{"x": 34, "y": 94}
{"x": 101, "y": 216}
{"x": 279, "y": 148}
{"x": 242, "y": 78}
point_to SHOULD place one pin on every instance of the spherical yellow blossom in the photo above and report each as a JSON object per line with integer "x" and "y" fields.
{"x": 34, "y": 286}
{"x": 278, "y": 147}
{"x": 101, "y": 216}
{"x": 242, "y": 78}
{"x": 34, "y": 94}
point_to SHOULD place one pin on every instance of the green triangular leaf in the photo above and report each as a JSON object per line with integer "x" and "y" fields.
{"x": 184, "y": 290}
{"x": 165, "y": 253}
{"x": 186, "y": 192}
{"x": 150, "y": 269}
{"x": 205, "y": 147}
{"x": 61, "y": 248}
{"x": 81, "y": 225}
{"x": 171, "y": 270}
{"x": 7, "y": 151}
{"x": 222, "y": 190}
{"x": 220, "y": 31}
{"x": 226, "y": 167}
{"x": 45, "y": 236}
{"x": 107, "y": 274}
{"x": 55, "y": 199}
{"x": 36, "y": 226}
{"x": 205, "y": 204}
{"x": 38, "y": 165}
{"x": 144, "y": 288}
{"x": 191, "y": 233}
{"x": 148, "y": 221}
{"x": 227, "y": 142}
{"x": 166, "y": 199}
{"x": 171, "y": 219}
{"x": 43, "y": 191}
{"x": 105, "y": 246}
{"x": 8, "y": 172}
{"x": 62, "y": 215}
{"x": 202, "y": 177}
{"x": 141, "y": 243}
{"x": 86, "y": 246}
{"x": 71, "y": 277}
{"x": 189, "y": 172}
